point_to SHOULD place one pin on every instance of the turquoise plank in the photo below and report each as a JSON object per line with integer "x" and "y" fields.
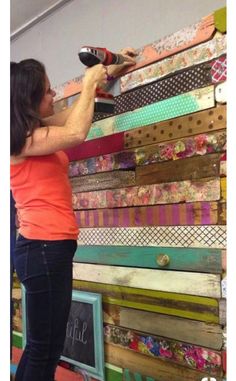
{"x": 126, "y": 375}
{"x": 180, "y": 258}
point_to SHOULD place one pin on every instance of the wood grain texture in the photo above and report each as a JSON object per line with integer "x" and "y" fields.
{"x": 190, "y": 331}
{"x": 185, "y": 169}
{"x": 161, "y": 280}
{"x": 197, "y": 213}
{"x": 198, "y": 145}
{"x": 165, "y": 193}
{"x": 200, "y": 260}
{"x": 190, "y": 57}
{"x": 173, "y": 304}
{"x": 197, "y": 123}
{"x": 188, "y": 355}
{"x": 155, "y": 368}
{"x": 173, "y": 107}
{"x": 107, "y": 180}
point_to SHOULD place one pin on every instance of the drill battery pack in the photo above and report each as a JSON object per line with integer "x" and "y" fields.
{"x": 104, "y": 103}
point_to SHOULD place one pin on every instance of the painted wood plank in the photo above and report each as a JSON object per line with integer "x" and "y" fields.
{"x": 173, "y": 304}
{"x": 170, "y": 281}
{"x": 197, "y": 123}
{"x": 190, "y": 57}
{"x": 223, "y": 188}
{"x": 219, "y": 69}
{"x": 200, "y": 260}
{"x": 197, "y": 213}
{"x": 190, "y": 331}
{"x": 222, "y": 213}
{"x": 179, "y": 105}
{"x": 190, "y": 168}
{"x": 174, "y": 43}
{"x": 182, "y": 82}
{"x": 188, "y": 355}
{"x": 220, "y": 19}
{"x": 213, "y": 236}
{"x": 107, "y": 180}
{"x": 155, "y": 153}
{"x": 151, "y": 367}
{"x": 167, "y": 193}
{"x": 221, "y": 92}
{"x": 97, "y": 147}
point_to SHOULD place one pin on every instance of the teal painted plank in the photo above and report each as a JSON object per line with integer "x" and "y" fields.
{"x": 138, "y": 377}
{"x": 173, "y": 107}
{"x": 180, "y": 258}
{"x": 126, "y": 375}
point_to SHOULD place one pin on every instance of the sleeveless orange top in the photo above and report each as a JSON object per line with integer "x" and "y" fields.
{"x": 42, "y": 192}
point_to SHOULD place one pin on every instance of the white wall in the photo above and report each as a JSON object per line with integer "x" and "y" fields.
{"x": 113, "y": 24}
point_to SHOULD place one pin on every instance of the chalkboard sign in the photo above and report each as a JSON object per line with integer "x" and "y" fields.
{"x": 84, "y": 334}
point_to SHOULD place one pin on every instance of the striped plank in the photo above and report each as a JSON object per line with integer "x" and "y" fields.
{"x": 161, "y": 280}
{"x": 179, "y": 105}
{"x": 197, "y": 213}
{"x": 174, "y": 43}
{"x": 190, "y": 331}
{"x": 201, "y": 53}
{"x": 197, "y": 123}
{"x": 194, "y": 259}
{"x": 155, "y": 153}
{"x": 170, "y": 304}
{"x": 152, "y": 367}
{"x": 167, "y": 193}
{"x": 189, "y": 355}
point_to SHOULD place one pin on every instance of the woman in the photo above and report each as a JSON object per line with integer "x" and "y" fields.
{"x": 41, "y": 189}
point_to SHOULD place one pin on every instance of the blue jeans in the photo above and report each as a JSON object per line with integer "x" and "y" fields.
{"x": 45, "y": 270}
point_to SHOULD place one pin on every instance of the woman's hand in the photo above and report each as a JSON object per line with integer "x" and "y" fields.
{"x": 95, "y": 75}
{"x": 129, "y": 55}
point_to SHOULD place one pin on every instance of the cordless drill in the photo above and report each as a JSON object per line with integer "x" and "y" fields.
{"x": 90, "y": 56}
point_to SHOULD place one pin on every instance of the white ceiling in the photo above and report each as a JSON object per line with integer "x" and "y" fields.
{"x": 25, "y": 13}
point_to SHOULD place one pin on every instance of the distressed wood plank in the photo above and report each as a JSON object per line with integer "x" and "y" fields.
{"x": 155, "y": 368}
{"x": 192, "y": 146}
{"x": 197, "y": 213}
{"x": 190, "y": 57}
{"x": 223, "y": 189}
{"x": 170, "y": 281}
{"x": 213, "y": 236}
{"x": 107, "y": 180}
{"x": 190, "y": 331}
{"x": 200, "y": 260}
{"x": 167, "y": 193}
{"x": 185, "y": 169}
{"x": 200, "y": 122}
{"x": 188, "y": 355}
{"x": 173, "y": 304}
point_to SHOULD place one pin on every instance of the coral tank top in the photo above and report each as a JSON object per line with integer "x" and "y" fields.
{"x": 43, "y": 196}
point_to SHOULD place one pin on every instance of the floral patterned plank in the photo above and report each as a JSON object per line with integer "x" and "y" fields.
{"x": 176, "y": 42}
{"x": 198, "y": 213}
{"x": 202, "y": 359}
{"x": 167, "y": 193}
{"x": 173, "y": 150}
{"x": 183, "y": 104}
{"x": 201, "y": 53}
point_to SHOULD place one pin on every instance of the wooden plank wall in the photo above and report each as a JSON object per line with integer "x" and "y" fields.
{"x": 149, "y": 194}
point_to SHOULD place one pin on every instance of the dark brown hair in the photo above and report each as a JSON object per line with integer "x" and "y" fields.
{"x": 27, "y": 91}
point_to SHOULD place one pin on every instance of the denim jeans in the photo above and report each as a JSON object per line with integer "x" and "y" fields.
{"x": 45, "y": 270}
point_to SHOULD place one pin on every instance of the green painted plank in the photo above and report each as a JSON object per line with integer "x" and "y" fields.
{"x": 173, "y": 107}
{"x": 191, "y": 259}
{"x": 17, "y": 340}
{"x": 220, "y": 20}
{"x": 112, "y": 375}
